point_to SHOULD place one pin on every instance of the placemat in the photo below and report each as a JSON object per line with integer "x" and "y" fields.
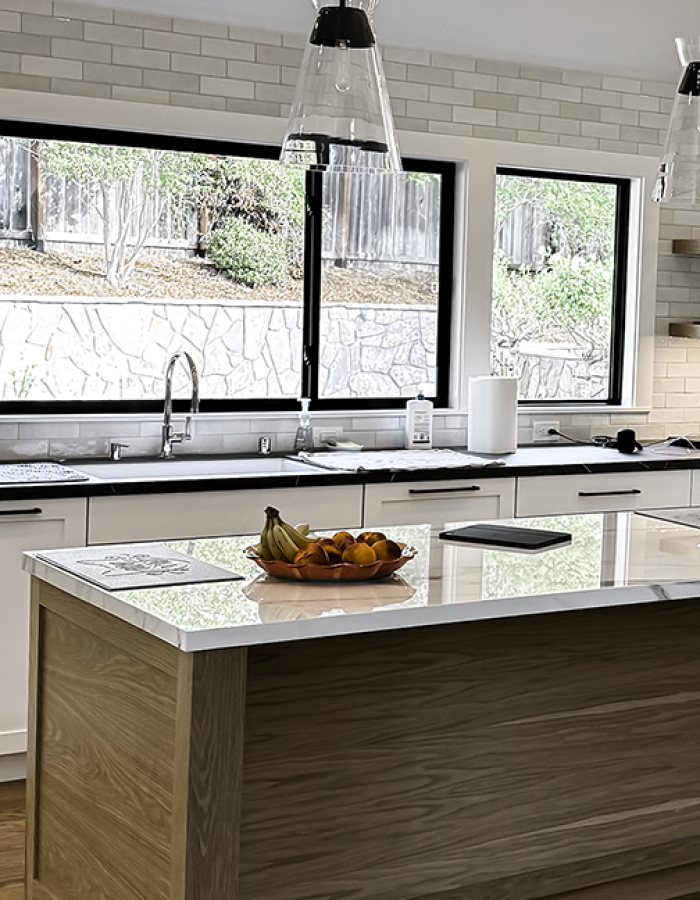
{"x": 136, "y": 566}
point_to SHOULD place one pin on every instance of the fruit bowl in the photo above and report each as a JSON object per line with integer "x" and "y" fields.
{"x": 343, "y": 571}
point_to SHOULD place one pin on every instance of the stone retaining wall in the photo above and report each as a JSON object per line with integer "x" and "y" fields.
{"x": 90, "y": 349}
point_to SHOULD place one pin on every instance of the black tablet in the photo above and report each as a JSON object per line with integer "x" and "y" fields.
{"x": 508, "y": 537}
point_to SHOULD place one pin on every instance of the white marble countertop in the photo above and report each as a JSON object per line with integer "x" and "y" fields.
{"x": 614, "y": 559}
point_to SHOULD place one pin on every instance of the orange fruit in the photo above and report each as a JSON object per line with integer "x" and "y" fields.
{"x": 359, "y": 553}
{"x": 334, "y": 554}
{"x": 348, "y": 542}
{"x": 371, "y": 537}
{"x": 341, "y": 537}
{"x": 386, "y": 549}
{"x": 312, "y": 553}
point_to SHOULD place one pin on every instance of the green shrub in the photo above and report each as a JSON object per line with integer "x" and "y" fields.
{"x": 251, "y": 256}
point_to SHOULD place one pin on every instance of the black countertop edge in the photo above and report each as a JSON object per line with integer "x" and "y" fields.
{"x": 514, "y": 468}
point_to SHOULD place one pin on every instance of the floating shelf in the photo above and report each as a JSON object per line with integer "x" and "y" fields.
{"x": 684, "y": 329}
{"x": 686, "y": 248}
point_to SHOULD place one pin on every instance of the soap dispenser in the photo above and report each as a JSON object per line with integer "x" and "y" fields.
{"x": 419, "y": 424}
{"x": 304, "y": 439}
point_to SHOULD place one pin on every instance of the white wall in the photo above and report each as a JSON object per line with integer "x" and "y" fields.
{"x": 65, "y": 61}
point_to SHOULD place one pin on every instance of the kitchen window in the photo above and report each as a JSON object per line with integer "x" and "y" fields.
{"x": 118, "y": 248}
{"x": 559, "y": 284}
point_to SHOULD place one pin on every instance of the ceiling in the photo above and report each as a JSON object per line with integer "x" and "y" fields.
{"x": 629, "y": 38}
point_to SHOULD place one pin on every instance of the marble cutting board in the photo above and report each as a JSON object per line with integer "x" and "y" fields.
{"x": 136, "y": 566}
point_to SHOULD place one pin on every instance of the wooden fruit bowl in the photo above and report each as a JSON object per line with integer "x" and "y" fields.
{"x": 343, "y": 571}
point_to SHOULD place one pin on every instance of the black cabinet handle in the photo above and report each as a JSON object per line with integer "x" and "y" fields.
{"x": 35, "y": 511}
{"x": 608, "y": 493}
{"x": 459, "y": 490}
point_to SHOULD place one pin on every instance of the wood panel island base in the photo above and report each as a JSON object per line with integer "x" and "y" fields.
{"x": 450, "y": 751}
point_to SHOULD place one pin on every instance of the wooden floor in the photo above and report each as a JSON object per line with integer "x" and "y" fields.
{"x": 12, "y": 813}
{"x": 12, "y": 840}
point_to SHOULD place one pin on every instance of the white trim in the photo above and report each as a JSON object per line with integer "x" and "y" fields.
{"x": 482, "y": 157}
{"x": 477, "y": 159}
{"x": 13, "y": 768}
{"x": 13, "y": 742}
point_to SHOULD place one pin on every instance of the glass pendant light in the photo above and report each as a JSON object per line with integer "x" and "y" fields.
{"x": 341, "y": 117}
{"x": 678, "y": 178}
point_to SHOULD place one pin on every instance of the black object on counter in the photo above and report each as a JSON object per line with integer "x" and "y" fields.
{"x": 508, "y": 537}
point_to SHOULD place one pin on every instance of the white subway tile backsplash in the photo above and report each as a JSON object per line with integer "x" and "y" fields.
{"x": 138, "y": 56}
{"x": 538, "y": 106}
{"x": 519, "y": 86}
{"x": 117, "y": 428}
{"x": 71, "y": 47}
{"x": 51, "y": 68}
{"x": 564, "y": 92}
{"x": 625, "y": 85}
{"x": 23, "y": 449}
{"x": 228, "y": 88}
{"x": 498, "y": 67}
{"x": 81, "y": 50}
{"x": 119, "y": 35}
{"x": 140, "y": 95}
{"x": 82, "y": 11}
{"x": 221, "y": 425}
{"x": 389, "y": 440}
{"x": 199, "y": 29}
{"x": 429, "y": 75}
{"x": 475, "y": 81}
{"x": 376, "y": 423}
{"x": 49, "y": 428}
{"x": 79, "y": 448}
{"x": 139, "y": 20}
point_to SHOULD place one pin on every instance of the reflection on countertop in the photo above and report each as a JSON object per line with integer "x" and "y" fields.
{"x": 614, "y": 558}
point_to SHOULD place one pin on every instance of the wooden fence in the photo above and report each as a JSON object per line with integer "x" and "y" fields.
{"x": 367, "y": 217}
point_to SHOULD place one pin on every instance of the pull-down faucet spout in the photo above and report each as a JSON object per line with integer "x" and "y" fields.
{"x": 170, "y": 437}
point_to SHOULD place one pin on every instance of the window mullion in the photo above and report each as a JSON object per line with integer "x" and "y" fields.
{"x": 313, "y": 228}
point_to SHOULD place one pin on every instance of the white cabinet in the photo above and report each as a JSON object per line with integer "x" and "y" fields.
{"x": 26, "y": 525}
{"x": 544, "y": 495}
{"x": 695, "y": 488}
{"x": 439, "y": 502}
{"x": 160, "y": 517}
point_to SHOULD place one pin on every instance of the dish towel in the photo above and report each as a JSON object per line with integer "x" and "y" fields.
{"x": 397, "y": 460}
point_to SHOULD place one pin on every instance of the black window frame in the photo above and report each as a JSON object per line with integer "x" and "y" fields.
{"x": 311, "y": 305}
{"x": 619, "y": 285}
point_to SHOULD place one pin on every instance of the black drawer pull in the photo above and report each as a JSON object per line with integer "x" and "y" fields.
{"x": 608, "y": 493}
{"x": 459, "y": 490}
{"x": 35, "y": 511}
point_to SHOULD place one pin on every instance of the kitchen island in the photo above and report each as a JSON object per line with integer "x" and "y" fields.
{"x": 485, "y": 725}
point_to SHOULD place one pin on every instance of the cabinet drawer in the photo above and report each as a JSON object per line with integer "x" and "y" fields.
{"x": 160, "y": 517}
{"x": 439, "y": 502}
{"x": 609, "y": 492}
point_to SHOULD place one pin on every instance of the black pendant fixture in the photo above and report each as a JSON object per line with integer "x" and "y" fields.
{"x": 341, "y": 117}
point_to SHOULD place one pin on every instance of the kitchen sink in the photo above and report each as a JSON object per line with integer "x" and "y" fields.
{"x": 200, "y": 467}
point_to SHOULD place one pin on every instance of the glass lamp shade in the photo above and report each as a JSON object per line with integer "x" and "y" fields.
{"x": 678, "y": 177}
{"x": 341, "y": 117}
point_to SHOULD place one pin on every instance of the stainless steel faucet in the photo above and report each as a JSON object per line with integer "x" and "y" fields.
{"x": 170, "y": 437}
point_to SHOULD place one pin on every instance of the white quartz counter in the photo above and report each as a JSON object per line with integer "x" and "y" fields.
{"x": 614, "y": 559}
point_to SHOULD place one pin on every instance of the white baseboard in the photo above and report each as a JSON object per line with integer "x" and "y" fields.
{"x": 13, "y": 742}
{"x": 13, "y": 767}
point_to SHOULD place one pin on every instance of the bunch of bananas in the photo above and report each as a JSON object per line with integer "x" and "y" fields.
{"x": 280, "y": 540}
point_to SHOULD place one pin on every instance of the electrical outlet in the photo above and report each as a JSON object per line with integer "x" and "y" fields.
{"x": 321, "y": 435}
{"x": 540, "y": 431}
